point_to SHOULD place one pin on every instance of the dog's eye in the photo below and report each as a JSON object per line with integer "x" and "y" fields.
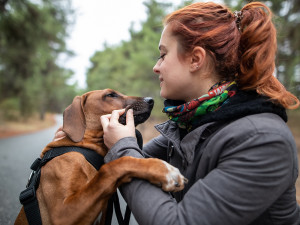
{"x": 112, "y": 95}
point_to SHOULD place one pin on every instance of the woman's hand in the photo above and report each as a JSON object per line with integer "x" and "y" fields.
{"x": 113, "y": 130}
{"x": 59, "y": 134}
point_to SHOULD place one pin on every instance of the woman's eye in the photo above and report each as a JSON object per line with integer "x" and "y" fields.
{"x": 161, "y": 57}
{"x": 112, "y": 95}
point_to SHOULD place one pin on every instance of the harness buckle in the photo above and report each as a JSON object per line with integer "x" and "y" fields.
{"x": 30, "y": 178}
{"x": 36, "y": 164}
{"x": 27, "y": 195}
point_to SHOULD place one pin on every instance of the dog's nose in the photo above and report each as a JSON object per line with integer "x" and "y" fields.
{"x": 149, "y": 100}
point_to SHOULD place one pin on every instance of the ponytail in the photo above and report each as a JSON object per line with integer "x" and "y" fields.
{"x": 257, "y": 52}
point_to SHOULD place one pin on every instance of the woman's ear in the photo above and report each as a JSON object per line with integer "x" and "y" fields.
{"x": 197, "y": 58}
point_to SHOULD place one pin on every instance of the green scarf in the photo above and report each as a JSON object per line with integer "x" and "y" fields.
{"x": 187, "y": 114}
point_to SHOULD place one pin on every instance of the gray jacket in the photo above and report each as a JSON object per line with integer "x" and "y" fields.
{"x": 243, "y": 173}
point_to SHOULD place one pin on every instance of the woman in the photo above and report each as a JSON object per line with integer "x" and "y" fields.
{"x": 227, "y": 132}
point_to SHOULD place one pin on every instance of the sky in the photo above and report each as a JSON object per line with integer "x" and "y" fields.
{"x": 97, "y": 22}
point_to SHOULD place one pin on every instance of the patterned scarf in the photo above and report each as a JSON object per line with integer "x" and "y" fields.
{"x": 186, "y": 115}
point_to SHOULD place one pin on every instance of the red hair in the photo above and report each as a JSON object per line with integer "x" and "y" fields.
{"x": 243, "y": 47}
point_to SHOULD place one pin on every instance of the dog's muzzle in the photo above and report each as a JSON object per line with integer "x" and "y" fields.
{"x": 141, "y": 111}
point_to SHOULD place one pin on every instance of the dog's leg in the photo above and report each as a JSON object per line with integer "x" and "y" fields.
{"x": 93, "y": 196}
{"x": 156, "y": 171}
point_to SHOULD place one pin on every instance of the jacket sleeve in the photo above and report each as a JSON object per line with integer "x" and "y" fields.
{"x": 249, "y": 177}
{"x": 155, "y": 148}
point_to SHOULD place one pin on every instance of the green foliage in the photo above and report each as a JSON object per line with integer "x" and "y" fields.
{"x": 10, "y": 109}
{"x": 32, "y": 36}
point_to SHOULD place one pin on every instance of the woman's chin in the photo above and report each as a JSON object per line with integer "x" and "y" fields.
{"x": 163, "y": 95}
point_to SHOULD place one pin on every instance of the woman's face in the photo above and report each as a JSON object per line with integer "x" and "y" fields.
{"x": 176, "y": 80}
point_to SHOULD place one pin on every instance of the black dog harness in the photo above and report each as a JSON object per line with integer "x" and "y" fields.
{"x": 28, "y": 197}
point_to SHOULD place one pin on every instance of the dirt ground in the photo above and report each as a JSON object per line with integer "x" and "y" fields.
{"x": 13, "y": 128}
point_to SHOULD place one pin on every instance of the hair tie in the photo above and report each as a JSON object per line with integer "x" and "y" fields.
{"x": 238, "y": 17}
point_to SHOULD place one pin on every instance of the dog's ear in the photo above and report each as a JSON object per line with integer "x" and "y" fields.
{"x": 74, "y": 119}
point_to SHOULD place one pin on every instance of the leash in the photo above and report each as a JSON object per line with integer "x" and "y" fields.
{"x": 28, "y": 196}
{"x": 114, "y": 203}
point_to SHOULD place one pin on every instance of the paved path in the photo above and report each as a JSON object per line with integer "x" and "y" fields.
{"x": 16, "y": 156}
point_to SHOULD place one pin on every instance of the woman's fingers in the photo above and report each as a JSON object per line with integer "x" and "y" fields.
{"x": 105, "y": 121}
{"x": 59, "y": 134}
{"x": 115, "y": 115}
{"x": 112, "y": 118}
{"x": 130, "y": 118}
{"x": 113, "y": 130}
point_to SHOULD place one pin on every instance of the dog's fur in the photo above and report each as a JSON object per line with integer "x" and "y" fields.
{"x": 71, "y": 190}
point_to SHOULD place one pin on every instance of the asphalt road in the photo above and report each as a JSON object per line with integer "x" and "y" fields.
{"x": 16, "y": 156}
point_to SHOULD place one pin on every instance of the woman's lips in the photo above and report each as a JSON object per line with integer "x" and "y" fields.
{"x": 161, "y": 80}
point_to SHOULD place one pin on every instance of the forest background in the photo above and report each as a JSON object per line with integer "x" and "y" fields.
{"x": 33, "y": 36}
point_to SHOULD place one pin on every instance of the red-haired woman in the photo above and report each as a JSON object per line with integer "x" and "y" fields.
{"x": 227, "y": 131}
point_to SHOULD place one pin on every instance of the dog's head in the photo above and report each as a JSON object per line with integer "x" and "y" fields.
{"x": 86, "y": 110}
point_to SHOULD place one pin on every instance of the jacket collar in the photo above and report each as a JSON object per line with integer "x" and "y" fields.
{"x": 186, "y": 146}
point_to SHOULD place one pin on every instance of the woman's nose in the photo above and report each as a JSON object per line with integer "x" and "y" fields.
{"x": 155, "y": 68}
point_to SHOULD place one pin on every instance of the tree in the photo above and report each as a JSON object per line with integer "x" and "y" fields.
{"x": 32, "y": 36}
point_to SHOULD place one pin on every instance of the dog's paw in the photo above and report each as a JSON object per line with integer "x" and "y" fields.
{"x": 174, "y": 179}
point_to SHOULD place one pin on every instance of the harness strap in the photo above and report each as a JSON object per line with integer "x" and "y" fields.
{"x": 29, "y": 200}
{"x": 28, "y": 197}
{"x": 92, "y": 157}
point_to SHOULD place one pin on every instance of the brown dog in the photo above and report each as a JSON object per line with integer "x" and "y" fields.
{"x": 71, "y": 190}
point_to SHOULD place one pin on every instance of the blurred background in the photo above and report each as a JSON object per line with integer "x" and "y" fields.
{"x": 53, "y": 50}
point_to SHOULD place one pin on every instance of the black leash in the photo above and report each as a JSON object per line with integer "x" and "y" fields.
{"x": 114, "y": 203}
